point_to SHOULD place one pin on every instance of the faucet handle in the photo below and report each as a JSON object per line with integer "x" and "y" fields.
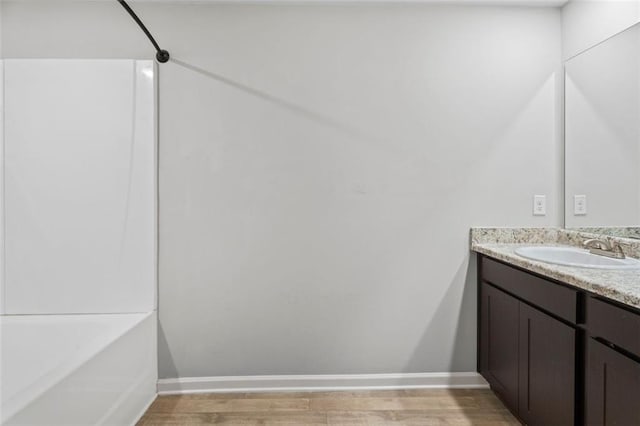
{"x": 617, "y": 249}
{"x": 596, "y": 243}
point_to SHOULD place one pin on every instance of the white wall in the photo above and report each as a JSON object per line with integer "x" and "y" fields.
{"x": 586, "y": 23}
{"x": 1, "y": 162}
{"x": 79, "y": 168}
{"x": 320, "y": 167}
{"x": 603, "y": 132}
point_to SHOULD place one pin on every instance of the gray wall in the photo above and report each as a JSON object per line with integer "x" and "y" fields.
{"x": 320, "y": 167}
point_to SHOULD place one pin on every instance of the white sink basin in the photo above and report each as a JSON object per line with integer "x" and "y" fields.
{"x": 573, "y": 256}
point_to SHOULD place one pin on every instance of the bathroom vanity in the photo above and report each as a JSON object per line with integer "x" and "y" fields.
{"x": 559, "y": 345}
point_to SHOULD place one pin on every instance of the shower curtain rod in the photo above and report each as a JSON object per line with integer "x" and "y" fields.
{"x": 161, "y": 55}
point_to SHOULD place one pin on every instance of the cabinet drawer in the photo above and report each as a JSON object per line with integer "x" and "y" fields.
{"x": 557, "y": 299}
{"x": 614, "y": 324}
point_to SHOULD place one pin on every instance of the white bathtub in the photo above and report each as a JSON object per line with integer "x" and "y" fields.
{"x": 76, "y": 369}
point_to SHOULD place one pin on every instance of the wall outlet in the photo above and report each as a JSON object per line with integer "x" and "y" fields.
{"x": 579, "y": 205}
{"x": 539, "y": 205}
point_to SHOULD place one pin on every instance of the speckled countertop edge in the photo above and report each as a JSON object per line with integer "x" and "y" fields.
{"x": 622, "y": 286}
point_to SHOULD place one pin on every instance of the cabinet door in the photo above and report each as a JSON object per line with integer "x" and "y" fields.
{"x": 613, "y": 387}
{"x": 499, "y": 343}
{"x": 547, "y": 369}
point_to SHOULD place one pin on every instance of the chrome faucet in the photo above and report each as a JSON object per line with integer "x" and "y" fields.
{"x": 603, "y": 248}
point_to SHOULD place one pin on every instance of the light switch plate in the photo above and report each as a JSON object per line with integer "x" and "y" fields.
{"x": 539, "y": 205}
{"x": 579, "y": 205}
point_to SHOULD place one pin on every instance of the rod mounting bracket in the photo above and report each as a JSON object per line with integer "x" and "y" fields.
{"x": 163, "y": 56}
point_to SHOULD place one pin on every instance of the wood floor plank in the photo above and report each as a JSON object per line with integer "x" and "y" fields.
{"x": 395, "y": 403}
{"x": 245, "y": 419}
{"x": 188, "y": 405}
{"x": 452, "y": 407}
{"x": 421, "y": 418}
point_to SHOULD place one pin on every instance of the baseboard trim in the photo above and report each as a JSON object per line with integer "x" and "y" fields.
{"x": 310, "y": 383}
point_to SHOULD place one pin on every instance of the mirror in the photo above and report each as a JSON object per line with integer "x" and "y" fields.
{"x": 602, "y": 137}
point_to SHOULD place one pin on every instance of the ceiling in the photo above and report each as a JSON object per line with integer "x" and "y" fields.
{"x": 523, "y": 3}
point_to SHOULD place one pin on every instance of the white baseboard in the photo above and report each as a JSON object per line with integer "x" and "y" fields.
{"x": 338, "y": 382}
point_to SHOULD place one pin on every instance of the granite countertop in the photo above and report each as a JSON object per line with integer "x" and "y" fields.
{"x": 620, "y": 285}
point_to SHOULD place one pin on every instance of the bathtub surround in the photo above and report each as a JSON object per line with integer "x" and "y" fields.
{"x": 79, "y": 196}
{"x": 78, "y": 321}
{"x": 619, "y": 285}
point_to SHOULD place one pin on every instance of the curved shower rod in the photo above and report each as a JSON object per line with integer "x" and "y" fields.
{"x": 161, "y": 55}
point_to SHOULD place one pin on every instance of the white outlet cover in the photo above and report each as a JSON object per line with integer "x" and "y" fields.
{"x": 539, "y": 205}
{"x": 579, "y": 205}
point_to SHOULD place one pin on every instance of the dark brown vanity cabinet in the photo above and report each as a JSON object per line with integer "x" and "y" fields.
{"x": 528, "y": 357}
{"x": 613, "y": 364}
{"x": 612, "y": 385}
{"x": 557, "y": 355}
{"x": 547, "y": 369}
{"x": 499, "y": 342}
